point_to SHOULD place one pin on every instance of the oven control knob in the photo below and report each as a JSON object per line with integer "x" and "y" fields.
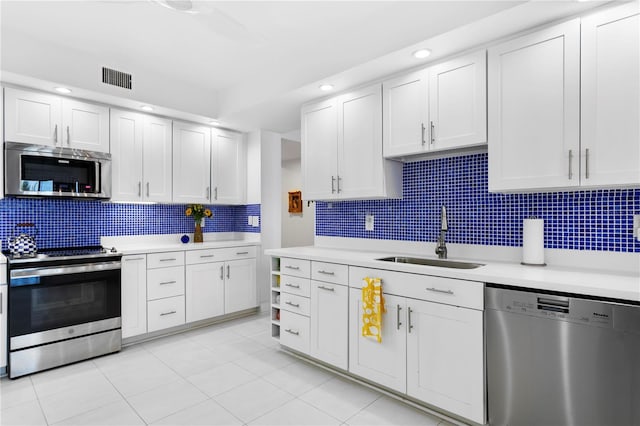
{"x": 71, "y": 330}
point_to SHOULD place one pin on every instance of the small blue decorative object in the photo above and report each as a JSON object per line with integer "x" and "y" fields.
{"x": 184, "y": 239}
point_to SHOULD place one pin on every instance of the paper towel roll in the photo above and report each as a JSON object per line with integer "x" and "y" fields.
{"x": 533, "y": 242}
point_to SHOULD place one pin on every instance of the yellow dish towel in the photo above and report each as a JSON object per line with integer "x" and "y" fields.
{"x": 372, "y": 308}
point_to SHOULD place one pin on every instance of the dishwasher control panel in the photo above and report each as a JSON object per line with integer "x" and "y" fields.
{"x": 558, "y": 308}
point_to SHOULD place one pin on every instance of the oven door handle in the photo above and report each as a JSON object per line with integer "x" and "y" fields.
{"x": 31, "y": 276}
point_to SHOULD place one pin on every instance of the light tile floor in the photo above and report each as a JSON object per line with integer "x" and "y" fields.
{"x": 226, "y": 374}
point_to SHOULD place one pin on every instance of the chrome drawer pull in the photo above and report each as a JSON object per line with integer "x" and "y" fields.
{"x": 133, "y": 258}
{"x": 168, "y": 313}
{"x": 398, "y": 323}
{"x": 326, "y": 272}
{"x": 295, "y": 268}
{"x": 326, "y": 288}
{"x": 292, "y": 285}
{"x": 167, "y": 282}
{"x": 168, "y": 260}
{"x": 242, "y": 252}
{"x": 290, "y": 331}
{"x": 437, "y": 290}
{"x": 295, "y": 305}
{"x": 205, "y": 256}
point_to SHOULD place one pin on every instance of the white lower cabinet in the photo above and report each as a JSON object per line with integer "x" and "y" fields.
{"x": 3, "y": 322}
{"x": 165, "y": 290}
{"x": 240, "y": 285}
{"x": 204, "y": 290}
{"x": 294, "y": 331}
{"x": 165, "y": 313}
{"x": 134, "y": 295}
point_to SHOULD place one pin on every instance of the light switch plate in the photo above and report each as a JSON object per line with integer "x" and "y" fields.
{"x": 256, "y": 221}
{"x": 249, "y": 220}
{"x": 368, "y": 222}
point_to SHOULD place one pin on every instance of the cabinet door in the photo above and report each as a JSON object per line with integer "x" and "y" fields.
{"x": 385, "y": 362}
{"x": 126, "y": 153}
{"x": 329, "y": 318}
{"x": 191, "y": 163}
{"x": 320, "y": 150}
{"x": 85, "y": 126}
{"x": 228, "y": 160}
{"x": 405, "y": 114}
{"x": 611, "y": 97}
{"x": 240, "y": 285}
{"x": 134, "y": 295}
{"x": 445, "y": 358}
{"x": 458, "y": 102}
{"x": 31, "y": 117}
{"x": 534, "y": 106}
{"x": 156, "y": 160}
{"x": 3, "y": 326}
{"x": 360, "y": 162}
{"x": 204, "y": 291}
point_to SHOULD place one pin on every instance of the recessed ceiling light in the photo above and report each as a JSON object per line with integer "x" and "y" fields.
{"x": 214, "y": 122}
{"x": 62, "y": 90}
{"x": 421, "y": 54}
{"x": 146, "y": 108}
{"x": 326, "y": 87}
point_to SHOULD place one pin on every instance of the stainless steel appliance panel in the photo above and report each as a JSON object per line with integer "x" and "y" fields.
{"x": 39, "y": 358}
{"x": 554, "y": 360}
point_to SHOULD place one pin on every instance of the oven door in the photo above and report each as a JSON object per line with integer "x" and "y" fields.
{"x": 53, "y": 303}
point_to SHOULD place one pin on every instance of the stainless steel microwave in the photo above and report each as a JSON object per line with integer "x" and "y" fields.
{"x": 44, "y": 171}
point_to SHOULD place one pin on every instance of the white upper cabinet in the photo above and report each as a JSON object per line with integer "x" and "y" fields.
{"x": 191, "y": 163}
{"x": 458, "y": 102}
{"x": 44, "y": 119}
{"x": 342, "y": 149}
{"x": 141, "y": 153}
{"x": 438, "y": 108}
{"x": 534, "y": 110}
{"x": 319, "y": 123}
{"x": 610, "y": 136}
{"x": 228, "y": 167}
{"x": 406, "y": 114}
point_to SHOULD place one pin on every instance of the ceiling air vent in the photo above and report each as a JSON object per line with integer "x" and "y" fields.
{"x": 116, "y": 78}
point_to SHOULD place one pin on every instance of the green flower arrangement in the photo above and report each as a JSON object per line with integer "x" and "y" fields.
{"x": 197, "y": 211}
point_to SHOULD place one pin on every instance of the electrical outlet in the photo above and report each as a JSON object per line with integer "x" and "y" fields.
{"x": 256, "y": 221}
{"x": 636, "y": 226}
{"x": 368, "y": 222}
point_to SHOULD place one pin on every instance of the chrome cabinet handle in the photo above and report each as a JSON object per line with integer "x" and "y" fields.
{"x": 222, "y": 273}
{"x": 204, "y": 256}
{"x": 327, "y": 288}
{"x": 139, "y": 189}
{"x": 228, "y": 271}
{"x": 215, "y": 191}
{"x": 433, "y": 133}
{"x": 167, "y": 282}
{"x": 333, "y": 182}
{"x": 437, "y": 290}
{"x": 409, "y": 319}
{"x": 240, "y": 253}
{"x": 398, "y": 323}
{"x": 422, "y": 136}
{"x": 292, "y": 285}
{"x": 570, "y": 164}
{"x": 55, "y": 135}
{"x": 68, "y": 136}
{"x": 295, "y": 268}
{"x": 339, "y": 179}
{"x": 290, "y": 331}
{"x": 326, "y": 272}
{"x": 168, "y": 313}
{"x": 168, "y": 260}
{"x": 586, "y": 164}
{"x": 295, "y": 305}
{"x": 147, "y": 189}
{"x": 208, "y": 193}
{"x": 133, "y": 258}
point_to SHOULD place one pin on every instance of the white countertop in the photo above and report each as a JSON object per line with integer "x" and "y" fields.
{"x": 161, "y": 247}
{"x": 607, "y": 284}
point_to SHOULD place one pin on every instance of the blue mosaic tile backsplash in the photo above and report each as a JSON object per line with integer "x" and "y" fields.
{"x": 67, "y": 223}
{"x": 582, "y": 220}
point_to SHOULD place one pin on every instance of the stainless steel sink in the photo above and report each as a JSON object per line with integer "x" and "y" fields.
{"x": 432, "y": 262}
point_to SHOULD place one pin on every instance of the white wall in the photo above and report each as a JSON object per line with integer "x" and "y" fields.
{"x": 253, "y": 168}
{"x": 297, "y": 229}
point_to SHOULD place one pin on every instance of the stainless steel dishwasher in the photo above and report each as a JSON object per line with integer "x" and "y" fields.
{"x": 561, "y": 360}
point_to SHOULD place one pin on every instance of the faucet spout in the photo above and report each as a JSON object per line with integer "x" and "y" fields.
{"x": 441, "y": 248}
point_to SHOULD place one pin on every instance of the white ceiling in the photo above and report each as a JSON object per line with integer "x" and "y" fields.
{"x": 249, "y": 64}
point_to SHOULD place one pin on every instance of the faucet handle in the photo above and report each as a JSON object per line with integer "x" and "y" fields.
{"x": 444, "y": 226}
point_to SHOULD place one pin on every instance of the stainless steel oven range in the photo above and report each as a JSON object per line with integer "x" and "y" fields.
{"x": 64, "y": 306}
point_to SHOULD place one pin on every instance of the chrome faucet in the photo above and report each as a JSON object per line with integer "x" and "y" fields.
{"x": 441, "y": 248}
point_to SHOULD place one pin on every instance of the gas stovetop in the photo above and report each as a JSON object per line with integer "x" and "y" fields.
{"x": 65, "y": 253}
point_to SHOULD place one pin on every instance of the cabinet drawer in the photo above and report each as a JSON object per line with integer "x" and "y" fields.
{"x": 295, "y": 267}
{"x": 468, "y": 294}
{"x": 297, "y": 304}
{"x": 165, "y": 313}
{"x": 165, "y": 282}
{"x": 233, "y": 253}
{"x": 295, "y": 285}
{"x": 162, "y": 260}
{"x": 330, "y": 272}
{"x": 193, "y": 257}
{"x": 294, "y": 331}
